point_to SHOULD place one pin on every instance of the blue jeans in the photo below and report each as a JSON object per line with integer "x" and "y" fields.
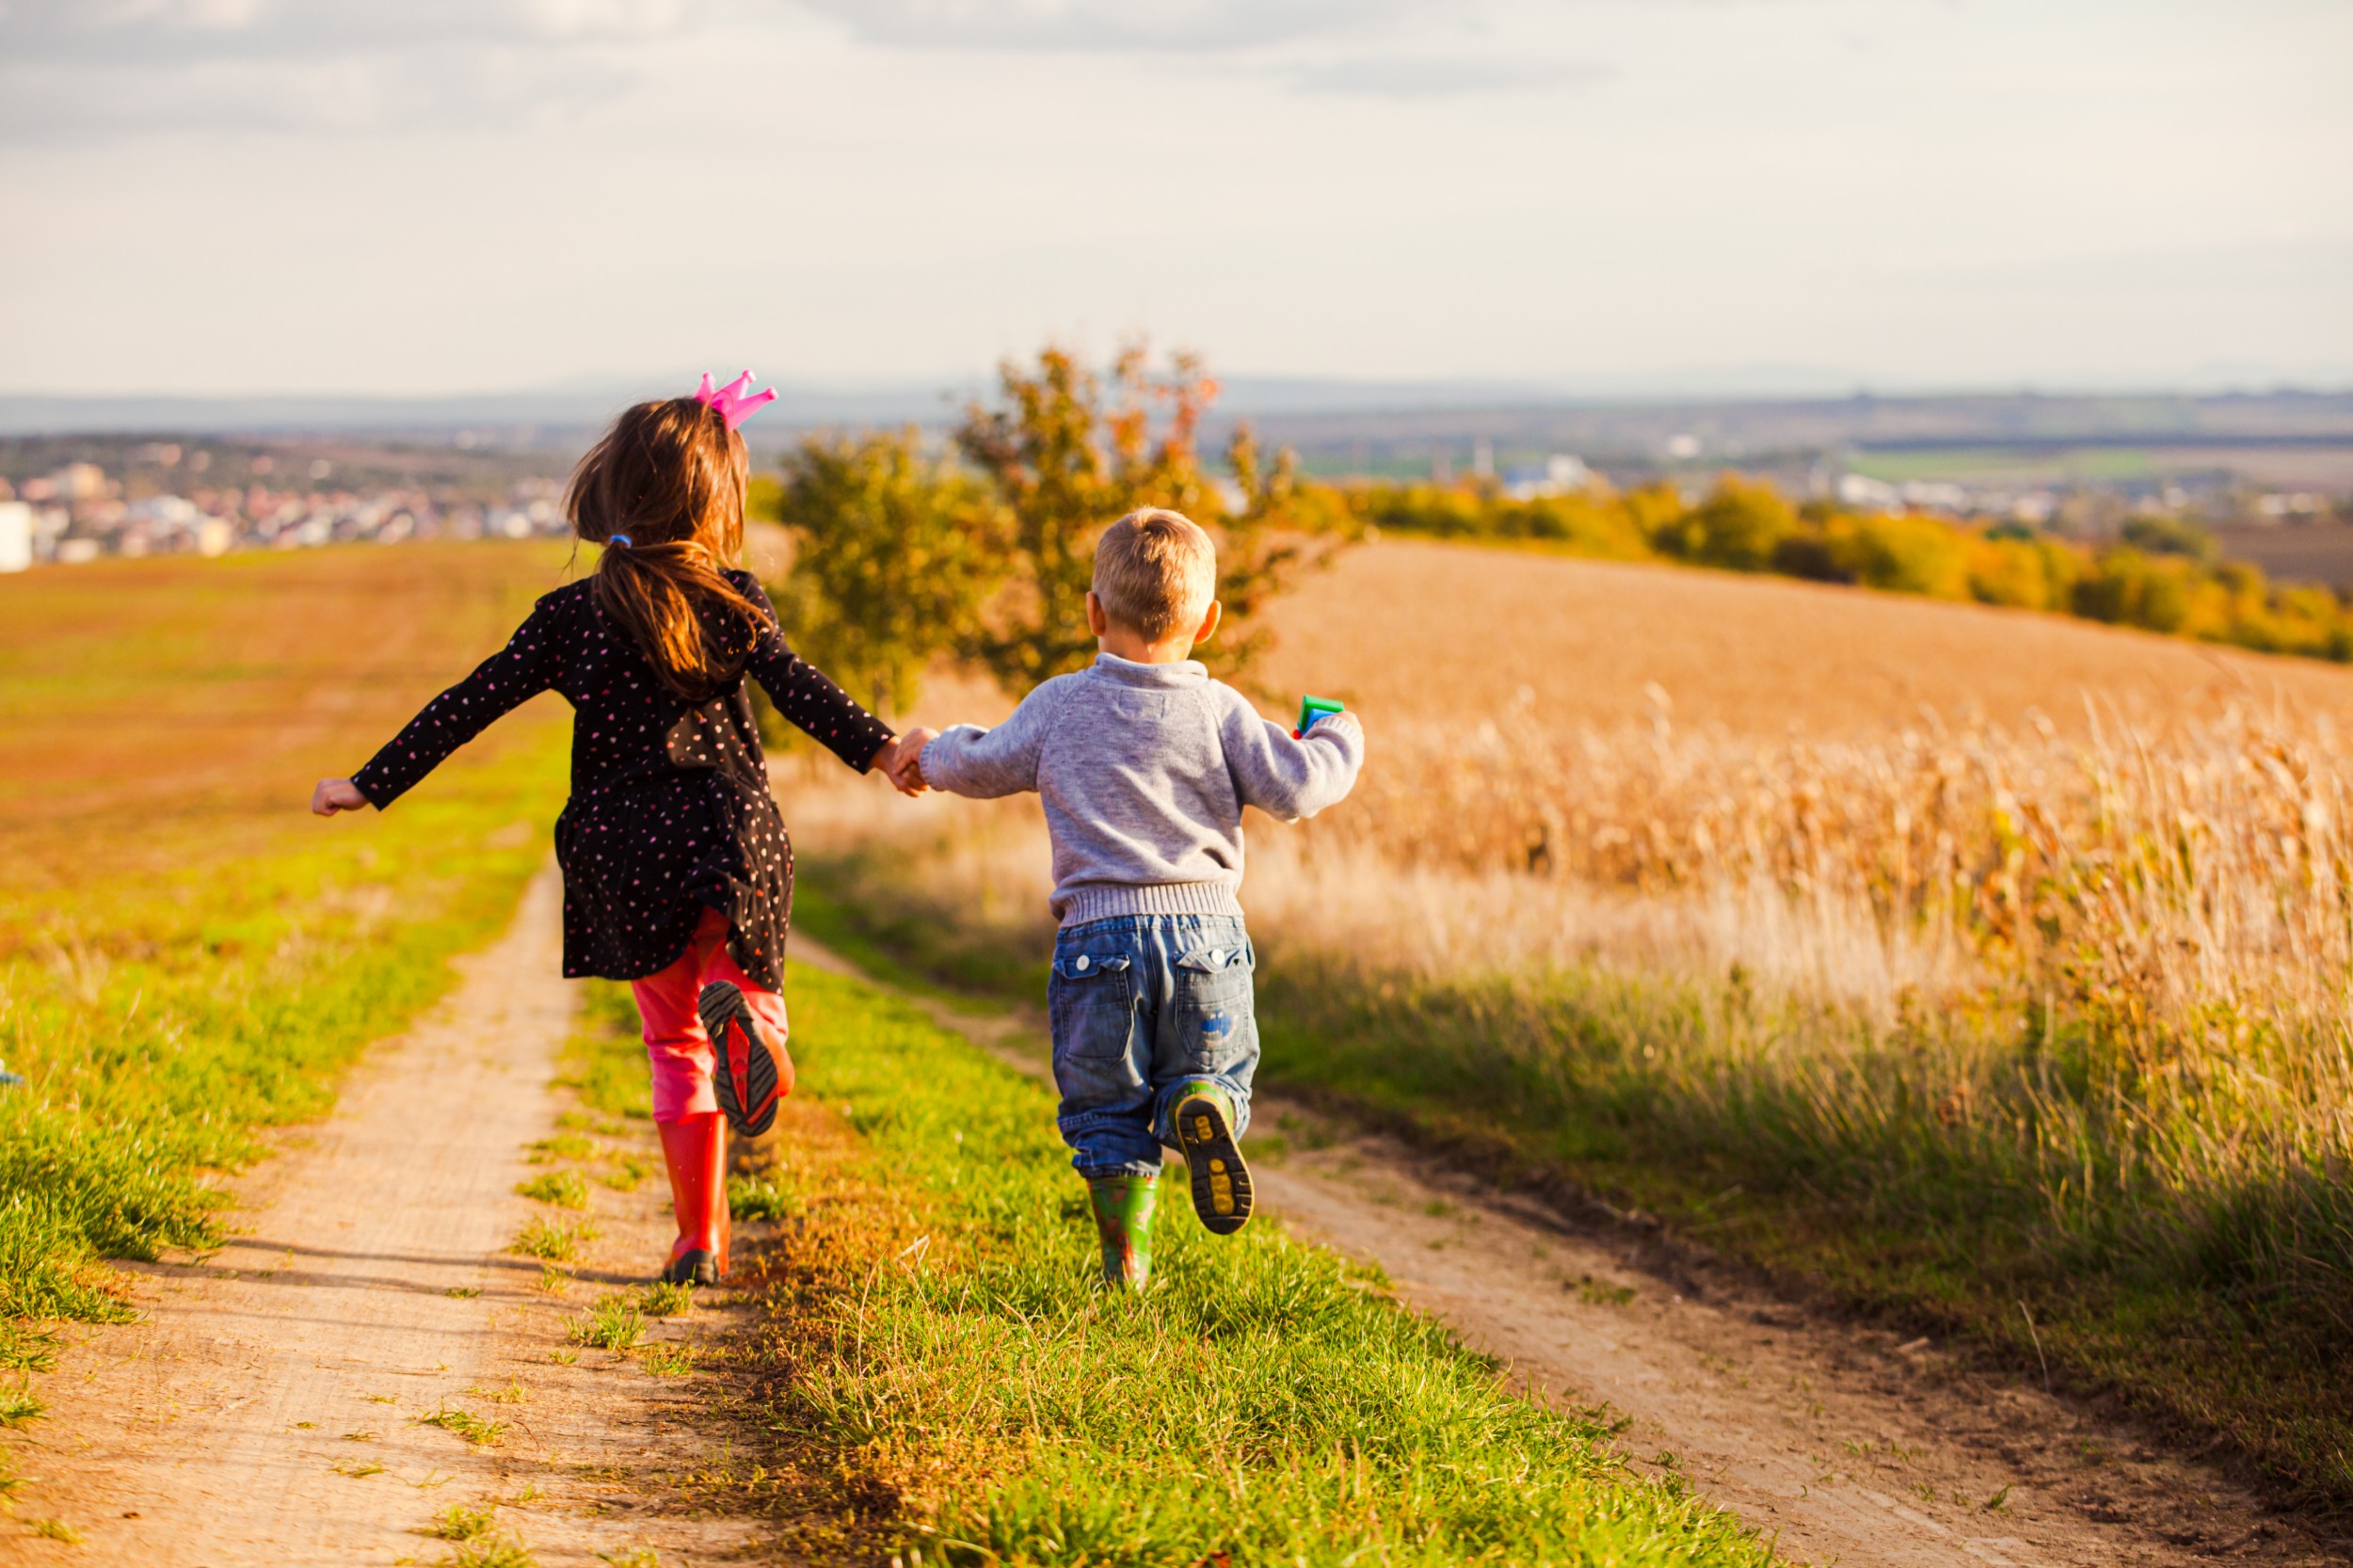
{"x": 1140, "y": 1004}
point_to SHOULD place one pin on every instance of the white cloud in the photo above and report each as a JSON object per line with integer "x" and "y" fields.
{"x": 424, "y": 196}
{"x": 1441, "y": 76}
{"x": 179, "y": 29}
{"x": 83, "y": 71}
{"x": 1203, "y": 26}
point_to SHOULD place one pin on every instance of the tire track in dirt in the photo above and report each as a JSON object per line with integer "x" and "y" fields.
{"x": 1845, "y": 1445}
{"x": 266, "y": 1407}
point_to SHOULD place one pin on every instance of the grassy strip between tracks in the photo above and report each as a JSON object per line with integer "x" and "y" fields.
{"x": 936, "y": 1350}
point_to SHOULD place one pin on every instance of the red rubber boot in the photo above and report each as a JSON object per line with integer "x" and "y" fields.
{"x": 695, "y": 1149}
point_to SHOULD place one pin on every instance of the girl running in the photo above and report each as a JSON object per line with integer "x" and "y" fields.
{"x": 678, "y": 876}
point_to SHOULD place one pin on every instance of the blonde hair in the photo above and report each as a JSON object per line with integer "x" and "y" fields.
{"x": 1156, "y": 572}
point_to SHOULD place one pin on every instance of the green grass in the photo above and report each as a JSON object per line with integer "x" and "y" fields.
{"x": 465, "y": 1423}
{"x": 459, "y": 1522}
{"x": 551, "y": 1243}
{"x": 604, "y": 1059}
{"x": 614, "y": 1324}
{"x": 758, "y": 1198}
{"x": 564, "y": 1189}
{"x": 939, "y": 1336}
{"x": 496, "y": 1552}
{"x": 2007, "y": 466}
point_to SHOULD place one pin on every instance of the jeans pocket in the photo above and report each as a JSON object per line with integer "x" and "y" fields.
{"x": 1214, "y": 1008}
{"x": 1091, "y": 1005}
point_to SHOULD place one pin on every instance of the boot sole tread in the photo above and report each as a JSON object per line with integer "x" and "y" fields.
{"x": 750, "y": 1106}
{"x": 1222, "y": 1194}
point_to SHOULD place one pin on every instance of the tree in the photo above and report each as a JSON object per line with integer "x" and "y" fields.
{"x": 1738, "y": 525}
{"x": 896, "y": 555}
{"x": 1067, "y": 453}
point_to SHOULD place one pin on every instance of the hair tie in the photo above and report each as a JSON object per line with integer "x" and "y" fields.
{"x": 618, "y": 541}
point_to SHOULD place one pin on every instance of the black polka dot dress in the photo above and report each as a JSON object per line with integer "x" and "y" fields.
{"x": 670, "y": 812}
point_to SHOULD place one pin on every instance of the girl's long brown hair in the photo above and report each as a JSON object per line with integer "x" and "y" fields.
{"x": 670, "y": 477}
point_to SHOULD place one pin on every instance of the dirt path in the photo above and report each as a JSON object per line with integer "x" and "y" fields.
{"x": 1848, "y": 1447}
{"x": 269, "y": 1407}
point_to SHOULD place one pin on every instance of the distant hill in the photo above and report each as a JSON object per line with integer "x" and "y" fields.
{"x": 1446, "y": 633}
{"x": 1374, "y": 419}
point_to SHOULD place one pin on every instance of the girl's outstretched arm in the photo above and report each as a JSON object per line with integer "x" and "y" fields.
{"x": 806, "y": 695}
{"x": 504, "y": 681}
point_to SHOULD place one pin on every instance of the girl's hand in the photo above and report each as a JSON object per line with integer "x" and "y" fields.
{"x": 336, "y": 794}
{"x": 902, "y": 761}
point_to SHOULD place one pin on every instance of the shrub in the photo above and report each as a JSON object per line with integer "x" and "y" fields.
{"x": 2012, "y": 567}
{"x": 1739, "y": 525}
{"x": 2163, "y": 535}
{"x": 1901, "y": 555}
{"x": 2128, "y": 588}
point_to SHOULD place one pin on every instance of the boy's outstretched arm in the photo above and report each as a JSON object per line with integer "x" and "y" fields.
{"x": 966, "y": 760}
{"x": 1286, "y": 779}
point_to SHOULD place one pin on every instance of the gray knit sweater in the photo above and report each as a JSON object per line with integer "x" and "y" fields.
{"x": 1144, "y": 770}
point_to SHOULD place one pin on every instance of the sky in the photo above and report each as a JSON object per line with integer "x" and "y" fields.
{"x": 431, "y": 196}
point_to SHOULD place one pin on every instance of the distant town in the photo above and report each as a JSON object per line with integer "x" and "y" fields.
{"x": 165, "y": 498}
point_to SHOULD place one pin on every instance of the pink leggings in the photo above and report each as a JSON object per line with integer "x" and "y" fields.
{"x": 675, "y": 1041}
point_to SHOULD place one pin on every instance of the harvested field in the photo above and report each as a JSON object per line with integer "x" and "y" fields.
{"x": 1423, "y": 631}
{"x": 2313, "y": 553}
{"x": 196, "y": 701}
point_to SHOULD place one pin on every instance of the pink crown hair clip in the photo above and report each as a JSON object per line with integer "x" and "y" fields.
{"x": 733, "y": 401}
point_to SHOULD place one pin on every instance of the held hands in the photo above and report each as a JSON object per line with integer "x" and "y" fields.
{"x": 901, "y": 760}
{"x": 336, "y": 794}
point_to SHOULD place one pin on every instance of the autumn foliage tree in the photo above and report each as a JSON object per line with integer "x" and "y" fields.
{"x": 1068, "y": 452}
{"x": 895, "y": 554}
{"x": 987, "y": 553}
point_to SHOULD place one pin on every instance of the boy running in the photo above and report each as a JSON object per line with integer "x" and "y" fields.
{"x": 1143, "y": 765}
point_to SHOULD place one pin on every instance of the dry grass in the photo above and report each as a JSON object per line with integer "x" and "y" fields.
{"x": 2190, "y": 896}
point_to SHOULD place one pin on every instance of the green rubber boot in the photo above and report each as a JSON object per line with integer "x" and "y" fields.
{"x": 1123, "y": 1219}
{"x": 1203, "y": 1118}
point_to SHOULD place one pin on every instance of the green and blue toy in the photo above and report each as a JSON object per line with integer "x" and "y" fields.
{"x": 1312, "y": 709}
